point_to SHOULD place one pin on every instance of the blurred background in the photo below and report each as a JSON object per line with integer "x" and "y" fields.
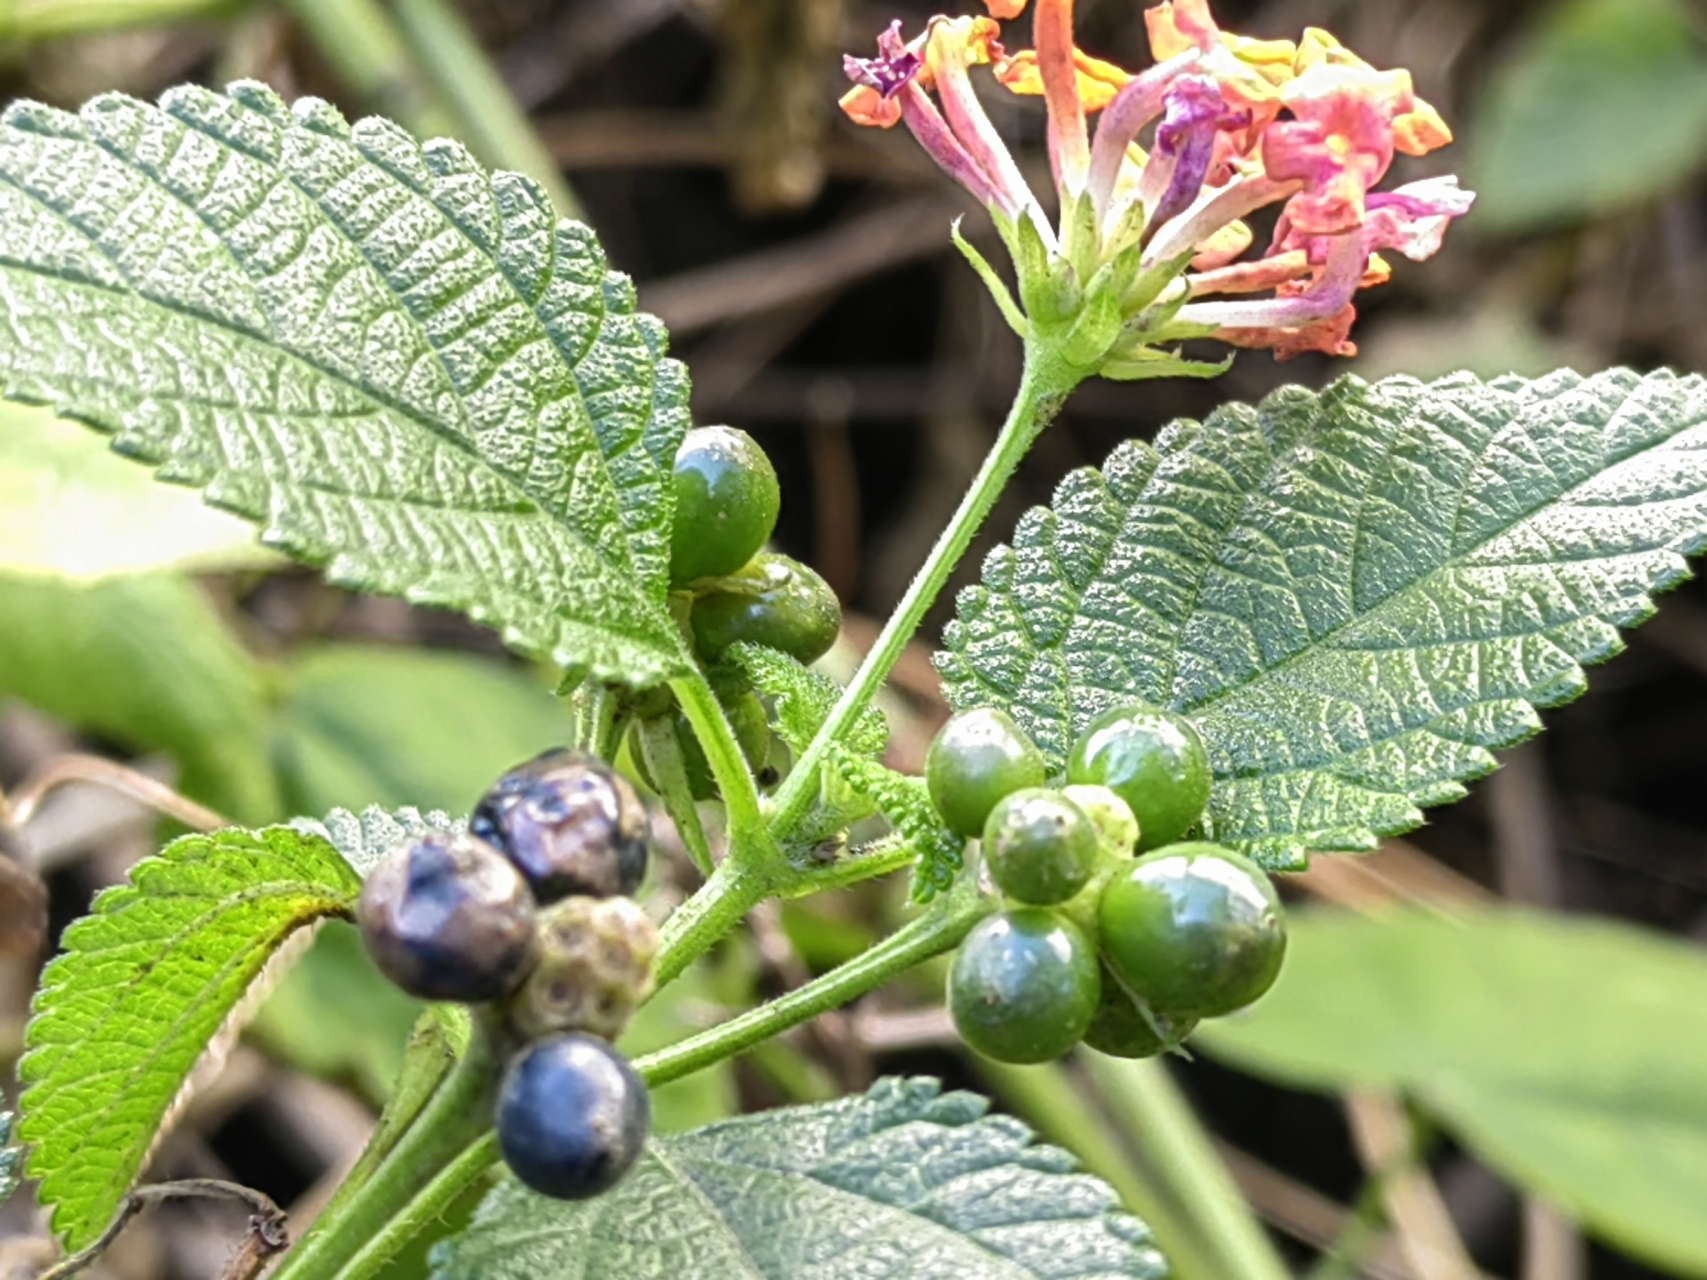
{"x": 804, "y": 268}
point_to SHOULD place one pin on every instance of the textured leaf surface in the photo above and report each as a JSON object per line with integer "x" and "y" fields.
{"x": 906, "y": 802}
{"x": 804, "y": 699}
{"x": 1355, "y": 594}
{"x": 362, "y": 839}
{"x": 904, "y": 1183}
{"x": 400, "y": 366}
{"x": 145, "y": 660}
{"x": 142, "y": 986}
{"x": 1567, "y": 1053}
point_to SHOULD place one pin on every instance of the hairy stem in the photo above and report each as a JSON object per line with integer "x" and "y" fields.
{"x": 703, "y": 919}
{"x": 939, "y": 929}
{"x": 750, "y": 841}
{"x": 458, "y": 1116}
{"x": 1044, "y": 385}
{"x": 1145, "y": 1099}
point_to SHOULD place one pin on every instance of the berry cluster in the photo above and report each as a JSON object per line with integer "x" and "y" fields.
{"x": 530, "y": 914}
{"x": 1125, "y": 953}
{"x": 729, "y": 589}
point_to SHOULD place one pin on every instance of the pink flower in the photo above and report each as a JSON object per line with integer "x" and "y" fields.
{"x": 1220, "y": 126}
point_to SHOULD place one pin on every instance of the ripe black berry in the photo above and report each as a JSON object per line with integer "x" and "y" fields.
{"x": 570, "y": 823}
{"x": 448, "y": 918}
{"x": 572, "y": 1116}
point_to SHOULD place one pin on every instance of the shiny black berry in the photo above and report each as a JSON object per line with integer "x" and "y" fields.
{"x": 448, "y": 917}
{"x": 571, "y": 823}
{"x": 726, "y": 503}
{"x": 572, "y": 1116}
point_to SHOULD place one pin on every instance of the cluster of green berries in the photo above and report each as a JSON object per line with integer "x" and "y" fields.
{"x": 1114, "y": 931}
{"x": 529, "y": 913}
{"x": 727, "y": 588}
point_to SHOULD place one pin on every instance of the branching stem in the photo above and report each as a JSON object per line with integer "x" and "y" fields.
{"x": 1045, "y": 383}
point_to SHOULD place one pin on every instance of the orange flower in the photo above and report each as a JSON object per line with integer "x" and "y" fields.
{"x": 1154, "y": 205}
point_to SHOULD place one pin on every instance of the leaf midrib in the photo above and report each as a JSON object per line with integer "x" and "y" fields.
{"x": 315, "y": 903}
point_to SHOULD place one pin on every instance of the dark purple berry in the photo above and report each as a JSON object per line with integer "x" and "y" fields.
{"x": 571, "y": 823}
{"x": 572, "y": 1116}
{"x": 448, "y": 917}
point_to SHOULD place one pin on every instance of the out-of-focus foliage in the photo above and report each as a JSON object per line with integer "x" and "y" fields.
{"x": 392, "y": 726}
{"x": 336, "y": 1017}
{"x": 145, "y": 661}
{"x": 71, "y": 508}
{"x": 1567, "y": 1053}
{"x": 1604, "y": 108}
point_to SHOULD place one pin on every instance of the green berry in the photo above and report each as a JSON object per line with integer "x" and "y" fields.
{"x": 726, "y": 503}
{"x": 1121, "y": 1029}
{"x": 1039, "y": 846}
{"x": 1117, "y": 829}
{"x": 975, "y": 759}
{"x": 773, "y": 601}
{"x": 1195, "y": 930}
{"x": 1023, "y": 986}
{"x": 1152, "y": 759}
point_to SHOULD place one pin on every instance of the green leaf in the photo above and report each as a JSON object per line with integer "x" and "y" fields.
{"x": 906, "y": 802}
{"x": 69, "y": 510}
{"x": 9, "y": 1159}
{"x": 397, "y": 364}
{"x": 362, "y": 839}
{"x": 804, "y": 699}
{"x": 1603, "y": 109}
{"x": 386, "y": 725}
{"x": 1354, "y": 594}
{"x": 144, "y": 983}
{"x": 905, "y": 1181}
{"x": 1567, "y": 1053}
{"x": 145, "y": 661}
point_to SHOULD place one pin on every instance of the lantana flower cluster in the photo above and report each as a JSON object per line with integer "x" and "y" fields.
{"x": 1151, "y": 245}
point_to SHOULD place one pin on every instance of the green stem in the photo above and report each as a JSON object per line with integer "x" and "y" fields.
{"x": 494, "y": 123}
{"x": 1144, "y": 1097}
{"x": 664, "y": 762}
{"x": 750, "y": 841}
{"x": 939, "y": 929}
{"x": 429, "y": 1205}
{"x": 1044, "y": 384}
{"x": 703, "y": 919}
{"x": 459, "y": 1115}
{"x": 360, "y": 41}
